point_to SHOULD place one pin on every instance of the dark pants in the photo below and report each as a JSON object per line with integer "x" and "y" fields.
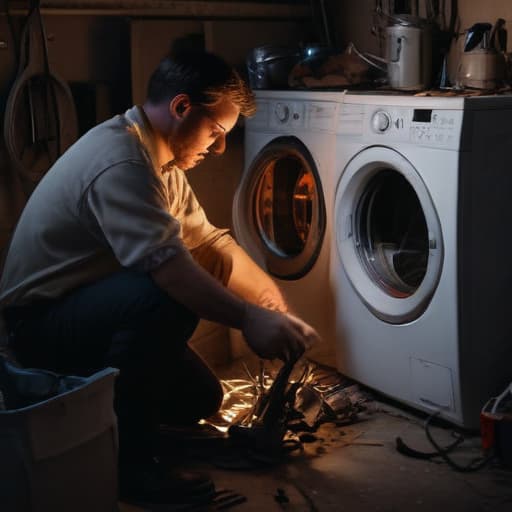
{"x": 127, "y": 322}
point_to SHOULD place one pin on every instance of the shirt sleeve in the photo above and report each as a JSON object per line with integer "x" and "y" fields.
{"x": 196, "y": 228}
{"x": 127, "y": 206}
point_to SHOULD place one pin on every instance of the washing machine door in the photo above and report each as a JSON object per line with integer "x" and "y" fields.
{"x": 388, "y": 234}
{"x": 279, "y": 209}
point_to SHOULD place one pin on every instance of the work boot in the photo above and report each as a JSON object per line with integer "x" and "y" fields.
{"x": 149, "y": 484}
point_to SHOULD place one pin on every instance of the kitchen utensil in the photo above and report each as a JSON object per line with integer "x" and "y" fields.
{"x": 482, "y": 63}
{"x": 477, "y": 36}
{"x": 408, "y": 52}
{"x": 269, "y": 65}
{"x": 496, "y": 36}
{"x": 481, "y": 69}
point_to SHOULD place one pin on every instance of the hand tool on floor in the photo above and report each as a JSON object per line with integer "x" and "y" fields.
{"x": 263, "y": 438}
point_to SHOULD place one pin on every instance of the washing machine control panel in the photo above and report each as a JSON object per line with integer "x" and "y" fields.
{"x": 420, "y": 126}
{"x": 435, "y": 127}
{"x": 285, "y": 116}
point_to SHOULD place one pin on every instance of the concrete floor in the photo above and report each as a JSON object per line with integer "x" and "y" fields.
{"x": 356, "y": 468}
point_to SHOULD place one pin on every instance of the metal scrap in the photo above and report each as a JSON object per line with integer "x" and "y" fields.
{"x": 263, "y": 415}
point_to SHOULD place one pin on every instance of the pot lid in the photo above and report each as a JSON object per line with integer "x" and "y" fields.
{"x": 406, "y": 20}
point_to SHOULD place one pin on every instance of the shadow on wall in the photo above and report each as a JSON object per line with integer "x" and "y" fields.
{"x": 215, "y": 180}
{"x": 353, "y": 22}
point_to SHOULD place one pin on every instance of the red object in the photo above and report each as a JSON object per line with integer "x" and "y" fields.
{"x": 488, "y": 430}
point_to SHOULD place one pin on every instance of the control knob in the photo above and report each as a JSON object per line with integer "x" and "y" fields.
{"x": 381, "y": 121}
{"x": 282, "y": 112}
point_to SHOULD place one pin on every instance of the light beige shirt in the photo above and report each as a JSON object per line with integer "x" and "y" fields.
{"x": 105, "y": 204}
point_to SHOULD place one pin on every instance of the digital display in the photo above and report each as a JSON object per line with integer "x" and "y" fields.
{"x": 422, "y": 115}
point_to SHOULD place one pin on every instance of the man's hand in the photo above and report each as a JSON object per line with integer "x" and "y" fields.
{"x": 272, "y": 335}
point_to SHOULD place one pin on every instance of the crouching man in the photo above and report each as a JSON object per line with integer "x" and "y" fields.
{"x": 113, "y": 262}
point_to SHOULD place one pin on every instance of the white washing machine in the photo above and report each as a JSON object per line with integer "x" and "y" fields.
{"x": 282, "y": 204}
{"x": 421, "y": 263}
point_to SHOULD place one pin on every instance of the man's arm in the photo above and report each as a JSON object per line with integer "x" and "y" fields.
{"x": 229, "y": 263}
{"x": 188, "y": 283}
{"x": 249, "y": 281}
{"x": 218, "y": 252}
{"x": 269, "y": 334}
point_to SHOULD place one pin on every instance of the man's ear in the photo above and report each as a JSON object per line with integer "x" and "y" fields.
{"x": 180, "y": 105}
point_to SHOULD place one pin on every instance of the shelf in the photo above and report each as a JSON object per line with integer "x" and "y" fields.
{"x": 173, "y": 9}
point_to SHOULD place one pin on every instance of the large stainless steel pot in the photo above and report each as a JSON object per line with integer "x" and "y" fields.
{"x": 409, "y": 52}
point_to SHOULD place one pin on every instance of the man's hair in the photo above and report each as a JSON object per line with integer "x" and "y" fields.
{"x": 204, "y": 77}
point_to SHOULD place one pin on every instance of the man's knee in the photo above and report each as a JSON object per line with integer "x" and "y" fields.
{"x": 154, "y": 325}
{"x": 155, "y": 311}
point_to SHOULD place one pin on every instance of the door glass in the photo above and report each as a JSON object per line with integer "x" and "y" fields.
{"x": 392, "y": 234}
{"x": 286, "y": 196}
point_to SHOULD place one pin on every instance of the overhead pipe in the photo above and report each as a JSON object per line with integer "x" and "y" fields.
{"x": 178, "y": 8}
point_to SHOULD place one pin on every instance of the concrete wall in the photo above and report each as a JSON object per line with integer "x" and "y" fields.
{"x": 472, "y": 11}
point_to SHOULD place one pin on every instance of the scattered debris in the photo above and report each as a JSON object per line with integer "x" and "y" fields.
{"x": 307, "y": 437}
{"x": 281, "y": 496}
{"x": 368, "y": 443}
{"x": 226, "y": 498}
{"x": 271, "y": 414}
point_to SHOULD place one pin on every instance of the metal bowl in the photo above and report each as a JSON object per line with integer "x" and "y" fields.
{"x": 268, "y": 66}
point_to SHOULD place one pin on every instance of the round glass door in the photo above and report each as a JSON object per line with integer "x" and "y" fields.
{"x": 392, "y": 234}
{"x": 285, "y": 212}
{"x": 388, "y": 234}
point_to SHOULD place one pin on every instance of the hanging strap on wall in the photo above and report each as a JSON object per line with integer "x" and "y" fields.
{"x": 40, "y": 118}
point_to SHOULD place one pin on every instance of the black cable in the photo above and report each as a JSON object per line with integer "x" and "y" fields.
{"x": 51, "y": 85}
{"x": 48, "y": 87}
{"x": 474, "y": 465}
{"x": 454, "y": 14}
{"x": 411, "y": 452}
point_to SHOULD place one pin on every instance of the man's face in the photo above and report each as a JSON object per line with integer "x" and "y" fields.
{"x": 202, "y": 131}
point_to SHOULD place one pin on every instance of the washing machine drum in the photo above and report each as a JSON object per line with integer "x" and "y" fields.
{"x": 392, "y": 233}
{"x": 283, "y": 210}
{"x": 388, "y": 234}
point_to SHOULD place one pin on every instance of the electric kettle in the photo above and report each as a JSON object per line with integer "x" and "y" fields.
{"x": 482, "y": 62}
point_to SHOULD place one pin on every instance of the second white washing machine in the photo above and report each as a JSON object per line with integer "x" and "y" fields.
{"x": 283, "y": 204}
{"x": 421, "y": 261}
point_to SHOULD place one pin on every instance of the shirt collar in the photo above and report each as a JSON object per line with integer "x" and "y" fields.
{"x": 140, "y": 125}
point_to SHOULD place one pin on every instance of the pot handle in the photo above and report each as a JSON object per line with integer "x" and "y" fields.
{"x": 369, "y": 58}
{"x": 398, "y": 49}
